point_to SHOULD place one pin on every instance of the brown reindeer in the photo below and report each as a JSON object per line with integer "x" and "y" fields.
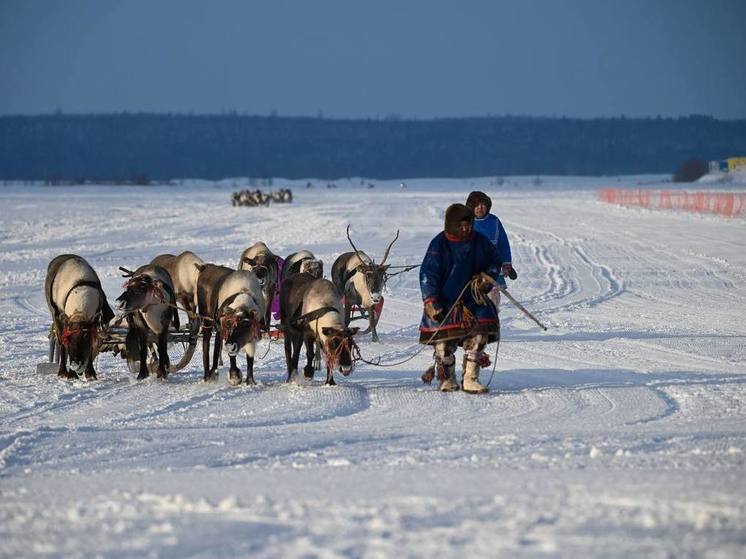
{"x": 184, "y": 270}
{"x": 235, "y": 305}
{"x": 361, "y": 281}
{"x": 311, "y": 313}
{"x": 260, "y": 260}
{"x": 150, "y": 303}
{"x": 79, "y": 311}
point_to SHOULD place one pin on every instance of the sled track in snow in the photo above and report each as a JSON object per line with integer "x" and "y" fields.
{"x": 564, "y": 285}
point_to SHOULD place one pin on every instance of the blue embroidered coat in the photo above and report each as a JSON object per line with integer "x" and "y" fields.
{"x": 448, "y": 266}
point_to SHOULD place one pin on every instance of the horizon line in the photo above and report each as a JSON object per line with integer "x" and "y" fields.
{"x": 377, "y": 118}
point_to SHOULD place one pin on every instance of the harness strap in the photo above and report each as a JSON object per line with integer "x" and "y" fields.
{"x": 348, "y": 275}
{"x": 170, "y": 291}
{"x": 166, "y": 287}
{"x": 81, "y": 283}
{"x": 231, "y": 298}
{"x": 303, "y": 320}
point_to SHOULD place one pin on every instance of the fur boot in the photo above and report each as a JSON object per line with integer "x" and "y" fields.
{"x": 448, "y": 381}
{"x": 471, "y": 383}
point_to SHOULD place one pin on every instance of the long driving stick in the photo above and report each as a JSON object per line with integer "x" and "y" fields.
{"x": 512, "y": 300}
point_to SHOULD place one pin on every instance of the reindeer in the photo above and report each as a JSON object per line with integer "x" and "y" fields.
{"x": 259, "y": 259}
{"x": 311, "y": 312}
{"x": 184, "y": 270}
{"x": 235, "y": 304}
{"x": 302, "y": 261}
{"x": 361, "y": 281}
{"x": 149, "y": 302}
{"x": 79, "y": 310}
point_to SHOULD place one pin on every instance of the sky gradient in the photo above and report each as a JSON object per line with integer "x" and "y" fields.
{"x": 355, "y": 59}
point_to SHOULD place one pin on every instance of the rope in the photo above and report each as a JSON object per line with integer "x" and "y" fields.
{"x": 497, "y": 345}
{"x": 406, "y": 269}
{"x": 426, "y": 344}
{"x": 269, "y": 344}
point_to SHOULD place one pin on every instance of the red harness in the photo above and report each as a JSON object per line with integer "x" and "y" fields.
{"x": 147, "y": 282}
{"x": 228, "y": 322}
{"x": 68, "y": 333}
{"x": 333, "y": 355}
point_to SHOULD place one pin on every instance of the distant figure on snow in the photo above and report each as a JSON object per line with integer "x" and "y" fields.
{"x": 451, "y": 268}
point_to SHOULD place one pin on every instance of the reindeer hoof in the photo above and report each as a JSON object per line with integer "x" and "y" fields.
{"x": 250, "y": 381}
{"x": 68, "y": 375}
{"x": 308, "y": 372}
{"x": 234, "y": 378}
{"x": 143, "y": 376}
{"x": 90, "y": 376}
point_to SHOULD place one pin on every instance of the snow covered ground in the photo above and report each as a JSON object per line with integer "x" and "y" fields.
{"x": 621, "y": 431}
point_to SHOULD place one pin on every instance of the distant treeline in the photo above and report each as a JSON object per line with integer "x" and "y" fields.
{"x": 144, "y": 147}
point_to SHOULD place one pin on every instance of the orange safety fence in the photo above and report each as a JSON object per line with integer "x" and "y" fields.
{"x": 728, "y": 204}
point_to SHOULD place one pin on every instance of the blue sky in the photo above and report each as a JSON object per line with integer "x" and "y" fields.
{"x": 351, "y": 59}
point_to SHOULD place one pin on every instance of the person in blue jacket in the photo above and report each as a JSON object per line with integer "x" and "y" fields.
{"x": 489, "y": 225}
{"x": 454, "y": 257}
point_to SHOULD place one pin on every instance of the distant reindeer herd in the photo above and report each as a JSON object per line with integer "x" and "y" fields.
{"x": 234, "y": 305}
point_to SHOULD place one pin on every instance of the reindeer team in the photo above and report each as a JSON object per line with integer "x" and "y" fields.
{"x": 233, "y": 304}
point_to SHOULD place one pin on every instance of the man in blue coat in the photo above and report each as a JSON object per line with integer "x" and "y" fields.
{"x": 452, "y": 315}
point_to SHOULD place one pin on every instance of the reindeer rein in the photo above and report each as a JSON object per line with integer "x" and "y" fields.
{"x": 422, "y": 346}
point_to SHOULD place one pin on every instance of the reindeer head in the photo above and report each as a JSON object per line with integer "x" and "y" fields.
{"x": 79, "y": 336}
{"x": 338, "y": 348}
{"x": 140, "y": 290}
{"x": 375, "y": 274}
{"x": 260, "y": 265}
{"x": 313, "y": 267}
{"x": 237, "y": 328}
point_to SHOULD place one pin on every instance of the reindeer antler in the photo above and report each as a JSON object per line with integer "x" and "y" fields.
{"x": 386, "y": 254}
{"x": 353, "y": 244}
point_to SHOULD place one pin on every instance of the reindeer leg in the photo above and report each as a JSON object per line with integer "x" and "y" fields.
{"x": 234, "y": 373}
{"x": 288, "y": 353}
{"x": 90, "y": 372}
{"x": 309, "y": 369}
{"x": 330, "y": 376}
{"x": 206, "y": 335}
{"x": 249, "y": 349}
{"x": 143, "y": 354}
{"x": 372, "y": 322}
{"x": 62, "y": 371}
{"x": 163, "y": 362}
{"x": 297, "y": 343}
{"x": 268, "y": 313}
{"x": 250, "y": 368}
{"x": 348, "y": 312}
{"x": 218, "y": 350}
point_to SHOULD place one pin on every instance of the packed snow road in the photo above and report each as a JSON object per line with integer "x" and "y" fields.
{"x": 621, "y": 430}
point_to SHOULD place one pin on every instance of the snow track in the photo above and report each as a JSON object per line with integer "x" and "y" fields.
{"x": 621, "y": 431}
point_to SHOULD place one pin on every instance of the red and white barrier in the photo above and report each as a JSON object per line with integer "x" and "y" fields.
{"x": 728, "y": 204}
